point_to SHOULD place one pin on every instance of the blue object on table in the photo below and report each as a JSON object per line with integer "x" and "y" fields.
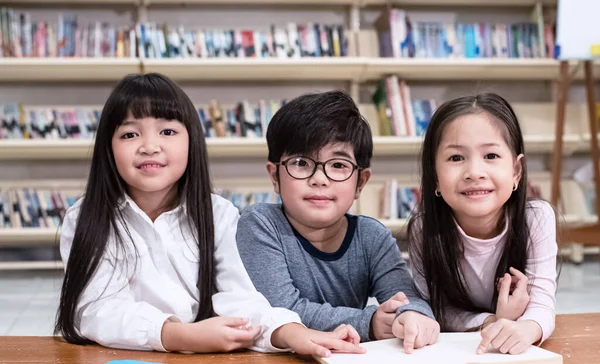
{"x": 130, "y": 362}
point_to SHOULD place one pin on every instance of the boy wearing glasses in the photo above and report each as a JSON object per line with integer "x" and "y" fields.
{"x": 308, "y": 254}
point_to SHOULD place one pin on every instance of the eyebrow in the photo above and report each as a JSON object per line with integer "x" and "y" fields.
{"x": 485, "y": 145}
{"x": 341, "y": 153}
{"x": 135, "y": 122}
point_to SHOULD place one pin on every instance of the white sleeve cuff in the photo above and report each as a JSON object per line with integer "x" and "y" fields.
{"x": 281, "y": 316}
{"x": 155, "y": 334}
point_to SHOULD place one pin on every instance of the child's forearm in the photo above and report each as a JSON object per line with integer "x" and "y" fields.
{"x": 278, "y": 337}
{"x": 173, "y": 336}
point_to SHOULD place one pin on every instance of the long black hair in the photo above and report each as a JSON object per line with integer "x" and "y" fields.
{"x": 149, "y": 95}
{"x": 442, "y": 250}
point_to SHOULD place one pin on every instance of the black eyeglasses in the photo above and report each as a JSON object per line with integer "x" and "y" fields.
{"x": 336, "y": 169}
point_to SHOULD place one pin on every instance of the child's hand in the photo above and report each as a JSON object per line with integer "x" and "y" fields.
{"x": 383, "y": 318}
{"x": 509, "y": 336}
{"x": 416, "y": 329}
{"x": 344, "y": 339}
{"x": 216, "y": 334}
{"x": 512, "y": 306}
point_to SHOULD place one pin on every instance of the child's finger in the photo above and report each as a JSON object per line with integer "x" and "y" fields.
{"x": 519, "y": 348}
{"x": 390, "y": 306}
{"x": 487, "y": 335}
{"x": 411, "y": 331}
{"x": 508, "y": 344}
{"x": 504, "y": 289}
{"x": 517, "y": 273}
{"x": 400, "y": 297}
{"x": 234, "y": 322}
{"x": 342, "y": 346}
{"x": 314, "y": 349}
{"x": 353, "y": 337}
{"x": 245, "y": 335}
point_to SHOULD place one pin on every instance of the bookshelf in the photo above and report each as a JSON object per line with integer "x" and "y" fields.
{"x": 383, "y": 146}
{"x": 358, "y": 70}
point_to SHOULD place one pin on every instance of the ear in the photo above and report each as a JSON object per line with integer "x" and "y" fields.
{"x": 518, "y": 169}
{"x": 365, "y": 174}
{"x": 272, "y": 170}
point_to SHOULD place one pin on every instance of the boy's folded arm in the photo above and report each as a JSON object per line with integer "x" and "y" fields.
{"x": 267, "y": 266}
{"x": 390, "y": 275}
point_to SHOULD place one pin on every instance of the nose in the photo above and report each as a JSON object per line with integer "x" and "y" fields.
{"x": 149, "y": 146}
{"x": 475, "y": 170}
{"x": 319, "y": 178}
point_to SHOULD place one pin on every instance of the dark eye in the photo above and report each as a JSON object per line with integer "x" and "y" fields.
{"x": 340, "y": 165}
{"x": 456, "y": 158}
{"x": 491, "y": 156}
{"x": 128, "y": 135}
{"x": 168, "y": 132}
{"x": 299, "y": 162}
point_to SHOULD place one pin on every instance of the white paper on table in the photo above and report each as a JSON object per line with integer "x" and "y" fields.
{"x": 451, "y": 348}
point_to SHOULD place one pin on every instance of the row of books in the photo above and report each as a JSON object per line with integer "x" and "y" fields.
{"x": 45, "y": 207}
{"x": 22, "y": 37}
{"x": 400, "y": 37}
{"x": 292, "y": 41}
{"x": 242, "y": 200}
{"x": 18, "y": 121}
{"x": 397, "y": 113}
{"x": 396, "y": 201}
{"x": 34, "y": 208}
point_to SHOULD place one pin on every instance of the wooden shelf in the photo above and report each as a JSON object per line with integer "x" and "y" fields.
{"x": 66, "y": 69}
{"x": 301, "y": 69}
{"x": 462, "y": 69}
{"x": 28, "y": 236}
{"x": 545, "y": 143}
{"x": 46, "y": 149}
{"x": 237, "y": 147}
{"x": 253, "y": 2}
{"x": 398, "y": 226}
{"x": 316, "y": 69}
{"x": 470, "y": 3}
{"x": 32, "y": 265}
{"x": 78, "y": 149}
{"x": 499, "y": 3}
{"x": 77, "y": 2}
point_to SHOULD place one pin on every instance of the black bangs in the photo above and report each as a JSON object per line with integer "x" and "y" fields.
{"x": 151, "y": 95}
{"x": 310, "y": 122}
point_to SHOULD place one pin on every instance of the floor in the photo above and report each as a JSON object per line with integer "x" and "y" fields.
{"x": 28, "y": 300}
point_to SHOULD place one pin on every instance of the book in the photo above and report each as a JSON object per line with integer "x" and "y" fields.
{"x": 451, "y": 348}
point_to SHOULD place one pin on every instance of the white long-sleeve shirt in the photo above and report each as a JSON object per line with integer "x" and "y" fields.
{"x": 125, "y": 305}
{"x": 479, "y": 263}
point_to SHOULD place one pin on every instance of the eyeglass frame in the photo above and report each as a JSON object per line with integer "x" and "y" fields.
{"x": 355, "y": 167}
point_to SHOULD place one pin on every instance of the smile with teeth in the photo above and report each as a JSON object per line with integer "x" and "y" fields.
{"x": 477, "y": 193}
{"x": 150, "y": 166}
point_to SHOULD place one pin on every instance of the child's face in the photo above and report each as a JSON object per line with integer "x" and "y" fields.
{"x": 475, "y": 167}
{"x": 150, "y": 154}
{"x": 318, "y": 202}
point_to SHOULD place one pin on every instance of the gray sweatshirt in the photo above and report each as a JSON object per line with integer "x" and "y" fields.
{"x": 325, "y": 289}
